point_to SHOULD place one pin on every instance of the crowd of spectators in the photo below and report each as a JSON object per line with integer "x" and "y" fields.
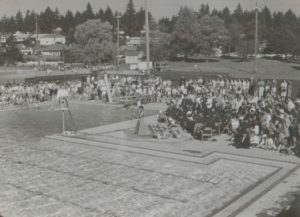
{"x": 31, "y": 93}
{"x": 90, "y": 88}
{"x": 256, "y": 113}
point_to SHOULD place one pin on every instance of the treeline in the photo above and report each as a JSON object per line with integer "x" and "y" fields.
{"x": 189, "y": 32}
{"x": 278, "y": 32}
{"x": 131, "y": 21}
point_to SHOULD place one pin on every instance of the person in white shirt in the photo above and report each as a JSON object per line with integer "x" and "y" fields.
{"x": 283, "y": 92}
{"x": 290, "y": 105}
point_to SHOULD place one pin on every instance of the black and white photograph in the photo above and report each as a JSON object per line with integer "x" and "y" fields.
{"x": 149, "y": 108}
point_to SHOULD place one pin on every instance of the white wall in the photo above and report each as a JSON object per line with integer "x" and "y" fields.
{"x": 51, "y": 41}
{"x": 132, "y": 60}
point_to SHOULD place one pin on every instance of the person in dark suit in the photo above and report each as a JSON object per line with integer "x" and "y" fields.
{"x": 182, "y": 81}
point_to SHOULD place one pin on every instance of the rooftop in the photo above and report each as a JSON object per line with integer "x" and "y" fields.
{"x": 55, "y": 47}
{"x": 49, "y": 35}
{"x": 133, "y": 53}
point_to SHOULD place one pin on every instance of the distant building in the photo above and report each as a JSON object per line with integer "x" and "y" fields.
{"x": 55, "y": 50}
{"x": 21, "y": 36}
{"x": 135, "y": 41}
{"x": 218, "y": 51}
{"x": 51, "y": 39}
{"x": 3, "y": 38}
{"x": 25, "y": 50}
{"x": 133, "y": 56}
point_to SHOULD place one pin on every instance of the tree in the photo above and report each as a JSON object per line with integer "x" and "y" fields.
{"x": 108, "y": 15}
{"x": 46, "y": 23}
{"x": 94, "y": 37}
{"x": 129, "y": 20}
{"x": 88, "y": 13}
{"x": 100, "y": 14}
{"x": 57, "y": 19}
{"x": 73, "y": 54}
{"x": 204, "y": 10}
{"x": 285, "y": 37}
{"x": 265, "y": 24}
{"x": 78, "y": 18}
{"x": 182, "y": 38}
{"x": 29, "y": 21}
{"x": 215, "y": 13}
{"x": 238, "y": 12}
{"x": 159, "y": 45}
{"x": 19, "y": 21}
{"x": 140, "y": 19}
{"x": 226, "y": 16}
{"x": 235, "y": 31}
{"x": 12, "y": 53}
{"x": 209, "y": 33}
{"x": 197, "y": 35}
{"x": 68, "y": 21}
{"x": 68, "y": 26}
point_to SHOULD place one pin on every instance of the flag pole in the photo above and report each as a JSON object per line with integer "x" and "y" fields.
{"x": 147, "y": 37}
{"x": 118, "y": 40}
{"x": 256, "y": 36}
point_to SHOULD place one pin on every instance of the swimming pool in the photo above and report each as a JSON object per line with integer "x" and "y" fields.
{"x": 31, "y": 124}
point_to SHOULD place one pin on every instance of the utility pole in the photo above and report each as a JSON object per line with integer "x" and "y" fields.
{"x": 147, "y": 38}
{"x": 118, "y": 40}
{"x": 37, "y": 41}
{"x": 256, "y": 35}
{"x": 64, "y": 66}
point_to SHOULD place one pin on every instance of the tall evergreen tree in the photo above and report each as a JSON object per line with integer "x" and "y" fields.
{"x": 129, "y": 20}
{"x": 11, "y": 25}
{"x": 88, "y": 14}
{"x": 204, "y": 10}
{"x": 238, "y": 12}
{"x": 29, "y": 21}
{"x": 19, "y": 21}
{"x": 100, "y": 14}
{"x": 68, "y": 22}
{"x": 140, "y": 19}
{"x": 78, "y": 18}
{"x": 226, "y": 16}
{"x": 46, "y": 23}
{"x": 108, "y": 15}
{"x": 57, "y": 19}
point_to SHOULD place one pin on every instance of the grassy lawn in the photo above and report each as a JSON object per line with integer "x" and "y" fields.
{"x": 267, "y": 69}
{"x": 18, "y": 74}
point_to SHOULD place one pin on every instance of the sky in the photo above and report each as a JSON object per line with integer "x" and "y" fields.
{"x": 159, "y": 8}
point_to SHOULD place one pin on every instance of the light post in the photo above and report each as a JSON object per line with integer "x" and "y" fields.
{"x": 147, "y": 37}
{"x": 118, "y": 39}
{"x": 256, "y": 36}
{"x": 64, "y": 65}
{"x": 37, "y": 42}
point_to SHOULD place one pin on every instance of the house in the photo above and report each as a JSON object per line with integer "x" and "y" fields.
{"x": 135, "y": 41}
{"x": 218, "y": 51}
{"x": 133, "y": 56}
{"x": 3, "y": 38}
{"x": 25, "y": 50}
{"x": 55, "y": 50}
{"x": 51, "y": 39}
{"x": 21, "y": 36}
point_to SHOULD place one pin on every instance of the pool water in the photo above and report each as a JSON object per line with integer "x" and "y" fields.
{"x": 34, "y": 123}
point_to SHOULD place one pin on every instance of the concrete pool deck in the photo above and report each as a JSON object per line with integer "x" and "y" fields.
{"x": 109, "y": 171}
